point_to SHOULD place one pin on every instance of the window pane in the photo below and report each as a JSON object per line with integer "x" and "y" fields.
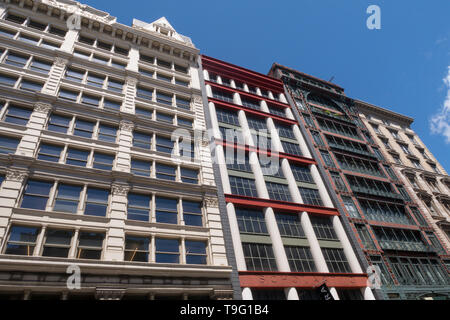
{"x": 96, "y": 202}
{"x": 36, "y": 195}
{"x": 166, "y": 210}
{"x": 67, "y": 198}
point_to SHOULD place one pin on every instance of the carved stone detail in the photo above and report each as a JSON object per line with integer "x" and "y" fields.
{"x": 211, "y": 202}
{"x": 126, "y": 126}
{"x": 198, "y": 100}
{"x": 16, "y": 175}
{"x": 60, "y": 62}
{"x": 131, "y": 81}
{"x": 120, "y": 190}
{"x": 43, "y": 107}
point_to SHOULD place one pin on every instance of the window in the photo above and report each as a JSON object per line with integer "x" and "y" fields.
{"x": 227, "y": 116}
{"x": 138, "y": 207}
{"x": 30, "y": 86}
{"x": 76, "y": 157}
{"x": 56, "y": 31}
{"x": 68, "y": 95}
{"x": 327, "y": 159}
{"x": 259, "y": 257}
{"x": 48, "y": 152}
{"x": 189, "y": 176}
{"x": 243, "y": 187}
{"x": 163, "y": 77}
{"x": 144, "y": 93}
{"x": 181, "y": 82}
{"x": 7, "y": 33}
{"x": 14, "y": 18}
{"x": 289, "y": 225}
{"x": 90, "y": 245}
{"x": 103, "y": 161}
{"x": 365, "y": 236}
{"x": 181, "y": 68}
{"x": 57, "y": 243}
{"x": 350, "y": 207}
{"x": 40, "y": 66}
{"x": 397, "y": 160}
{"x": 166, "y": 172}
{"x": 142, "y": 140}
{"x": 192, "y": 213}
{"x": 18, "y": 115}
{"x": 183, "y": 103}
{"x": 292, "y": 148}
{"x": 22, "y": 241}
{"x": 278, "y": 191}
{"x": 338, "y": 182}
{"x": 141, "y": 168}
{"x": 223, "y": 95}
{"x": 29, "y": 39}
{"x": 300, "y": 259}
{"x": 166, "y": 210}
{"x": 96, "y": 202}
{"x": 336, "y": 260}
{"x": 419, "y": 216}
{"x": 37, "y": 25}
{"x": 137, "y": 249}
{"x": 277, "y": 110}
{"x": 115, "y": 85}
{"x": 107, "y": 133}
{"x": 285, "y": 131}
{"x": 195, "y": 252}
{"x": 378, "y": 154}
{"x": 185, "y": 122}
{"x": 144, "y": 112}
{"x": 16, "y": 59}
{"x": 59, "y": 123}
{"x": 164, "y": 98}
{"x": 311, "y": 196}
{"x": 36, "y": 195}
{"x": 112, "y": 105}
{"x": 251, "y": 221}
{"x": 403, "y": 192}
{"x": 164, "y": 145}
{"x": 257, "y": 123}
{"x": 146, "y": 58}
{"x": 165, "y": 64}
{"x": 8, "y": 145}
{"x": 390, "y": 172}
{"x": 95, "y": 80}
{"x": 323, "y": 228}
{"x": 90, "y": 100}
{"x": 164, "y": 117}
{"x": 167, "y": 251}
{"x": 67, "y": 198}
{"x": 251, "y": 103}
{"x": 317, "y": 138}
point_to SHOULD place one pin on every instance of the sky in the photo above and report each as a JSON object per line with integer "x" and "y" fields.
{"x": 404, "y": 66}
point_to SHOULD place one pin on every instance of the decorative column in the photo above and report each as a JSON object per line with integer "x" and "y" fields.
{"x": 30, "y": 141}
{"x": 9, "y": 194}
{"x": 55, "y": 76}
{"x": 130, "y": 95}
{"x": 218, "y": 253}
{"x": 115, "y": 244}
{"x": 123, "y": 161}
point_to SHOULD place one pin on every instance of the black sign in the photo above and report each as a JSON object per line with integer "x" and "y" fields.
{"x": 325, "y": 293}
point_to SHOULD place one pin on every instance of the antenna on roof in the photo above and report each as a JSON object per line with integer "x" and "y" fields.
{"x": 332, "y": 78}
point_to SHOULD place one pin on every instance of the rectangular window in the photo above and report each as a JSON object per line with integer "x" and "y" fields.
{"x": 22, "y": 241}
{"x": 259, "y": 257}
{"x": 8, "y": 80}
{"x": 365, "y": 236}
{"x": 115, "y": 85}
{"x": 278, "y": 191}
{"x": 112, "y": 105}
{"x": 7, "y": 33}
{"x": 139, "y": 207}
{"x": 167, "y": 251}
{"x": 95, "y": 80}
{"x": 57, "y": 243}
{"x": 36, "y": 195}
{"x": 311, "y": 196}
{"x": 164, "y": 117}
{"x": 59, "y": 123}
{"x": 250, "y": 103}
{"x": 183, "y": 103}
{"x": 103, "y": 161}
{"x": 302, "y": 173}
{"x": 90, "y": 100}
{"x": 289, "y": 225}
{"x": 67, "y": 198}
{"x": 76, "y": 157}
{"x": 292, "y": 148}
{"x": 146, "y": 58}
{"x": 15, "y": 18}
{"x": 164, "y": 145}
{"x": 165, "y": 64}
{"x": 28, "y": 39}
{"x": 48, "y": 152}
{"x": 350, "y": 207}
{"x": 181, "y": 82}
{"x": 40, "y": 66}
{"x": 90, "y": 245}
{"x": 323, "y": 228}
{"x": 286, "y": 131}
{"x": 189, "y": 176}
{"x": 144, "y": 112}
{"x": 137, "y": 249}
{"x": 18, "y": 115}
{"x": 16, "y": 59}
{"x": 277, "y": 111}
{"x": 8, "y": 145}
{"x": 192, "y": 213}
{"x": 227, "y": 116}
{"x": 162, "y": 77}
{"x": 195, "y": 252}
{"x": 164, "y": 98}
{"x": 56, "y": 31}
{"x": 166, "y": 210}
{"x": 185, "y": 122}
{"x": 336, "y": 260}
{"x": 68, "y": 95}
{"x": 141, "y": 168}
{"x": 300, "y": 259}
{"x": 327, "y": 159}
{"x": 107, "y": 133}
{"x": 144, "y": 93}
{"x": 96, "y": 202}
{"x": 181, "y": 69}
{"x": 243, "y": 187}
{"x": 166, "y": 172}
{"x": 142, "y": 140}
{"x": 251, "y": 221}
{"x": 30, "y": 86}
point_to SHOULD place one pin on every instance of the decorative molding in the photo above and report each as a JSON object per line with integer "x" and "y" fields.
{"x": 16, "y": 175}
{"x": 120, "y": 190}
{"x": 127, "y": 126}
{"x": 211, "y": 202}
{"x": 131, "y": 81}
{"x": 198, "y": 100}
{"x": 43, "y": 107}
{"x": 61, "y": 62}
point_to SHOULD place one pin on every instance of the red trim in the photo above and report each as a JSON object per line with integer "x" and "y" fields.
{"x": 275, "y": 103}
{"x": 280, "y": 205}
{"x": 266, "y": 280}
{"x": 393, "y": 225}
{"x": 281, "y": 155}
{"x": 250, "y": 110}
{"x": 245, "y": 75}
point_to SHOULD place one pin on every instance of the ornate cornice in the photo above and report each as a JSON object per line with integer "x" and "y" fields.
{"x": 16, "y": 175}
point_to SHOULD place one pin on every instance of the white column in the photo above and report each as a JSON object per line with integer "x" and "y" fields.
{"x": 69, "y": 40}
{"x": 348, "y": 250}
{"x": 128, "y": 104}
{"x": 55, "y": 76}
{"x": 123, "y": 161}
{"x": 314, "y": 245}
{"x": 236, "y": 236}
{"x": 368, "y": 294}
{"x": 133, "y": 63}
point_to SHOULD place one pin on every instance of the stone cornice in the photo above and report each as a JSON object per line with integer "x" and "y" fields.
{"x": 368, "y": 108}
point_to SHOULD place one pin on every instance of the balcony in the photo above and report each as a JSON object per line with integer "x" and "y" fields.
{"x": 404, "y": 246}
{"x": 350, "y": 149}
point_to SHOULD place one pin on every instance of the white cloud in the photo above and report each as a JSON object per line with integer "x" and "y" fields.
{"x": 440, "y": 122}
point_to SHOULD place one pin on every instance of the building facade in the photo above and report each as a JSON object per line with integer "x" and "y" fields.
{"x": 287, "y": 236}
{"x": 104, "y": 171}
{"x": 383, "y": 219}
{"x": 424, "y": 177}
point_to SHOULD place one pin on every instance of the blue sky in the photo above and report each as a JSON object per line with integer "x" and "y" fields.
{"x": 400, "y": 67}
